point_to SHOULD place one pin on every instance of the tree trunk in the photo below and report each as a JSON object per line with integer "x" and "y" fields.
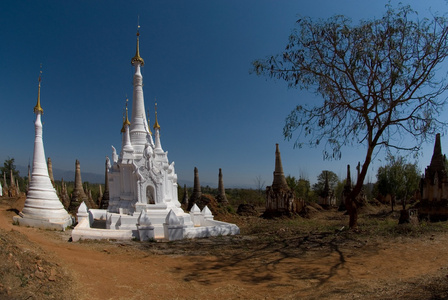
{"x": 352, "y": 209}
{"x": 352, "y": 203}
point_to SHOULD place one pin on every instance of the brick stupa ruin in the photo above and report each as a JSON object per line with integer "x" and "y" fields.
{"x": 42, "y": 207}
{"x": 221, "y": 197}
{"x": 143, "y": 199}
{"x": 434, "y": 187}
{"x": 78, "y": 195}
{"x": 280, "y": 199}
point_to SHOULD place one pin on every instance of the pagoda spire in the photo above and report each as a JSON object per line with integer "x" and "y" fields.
{"x": 156, "y": 127}
{"x": 42, "y": 206}
{"x": 437, "y": 165}
{"x": 221, "y": 197}
{"x": 139, "y": 131}
{"x": 127, "y": 146}
{"x": 38, "y": 108}
{"x": 137, "y": 57}
{"x": 279, "y": 177}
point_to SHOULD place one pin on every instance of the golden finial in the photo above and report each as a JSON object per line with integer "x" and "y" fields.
{"x": 38, "y": 108}
{"x": 137, "y": 57}
{"x": 126, "y": 122}
{"x": 125, "y": 119}
{"x": 156, "y": 124}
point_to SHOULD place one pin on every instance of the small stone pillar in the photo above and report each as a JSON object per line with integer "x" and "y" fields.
{"x": 83, "y": 214}
{"x": 173, "y": 228}
{"x": 17, "y": 188}
{"x": 145, "y": 228}
{"x": 196, "y": 215}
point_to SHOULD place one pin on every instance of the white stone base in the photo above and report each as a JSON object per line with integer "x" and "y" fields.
{"x": 211, "y": 228}
{"x": 126, "y": 228}
{"x": 24, "y": 220}
{"x": 82, "y": 231}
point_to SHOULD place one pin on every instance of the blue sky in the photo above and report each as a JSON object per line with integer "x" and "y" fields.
{"x": 213, "y": 113}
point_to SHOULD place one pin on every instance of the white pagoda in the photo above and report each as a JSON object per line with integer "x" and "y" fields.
{"x": 143, "y": 186}
{"x": 42, "y": 207}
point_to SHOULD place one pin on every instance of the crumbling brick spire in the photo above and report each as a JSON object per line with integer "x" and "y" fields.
{"x": 197, "y": 194}
{"x": 437, "y": 164}
{"x": 50, "y": 170}
{"x": 78, "y": 195}
{"x": 279, "y": 177}
{"x": 221, "y": 197}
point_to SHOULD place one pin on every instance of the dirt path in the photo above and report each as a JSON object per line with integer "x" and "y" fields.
{"x": 335, "y": 270}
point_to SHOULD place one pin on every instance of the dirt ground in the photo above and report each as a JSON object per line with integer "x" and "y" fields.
{"x": 269, "y": 260}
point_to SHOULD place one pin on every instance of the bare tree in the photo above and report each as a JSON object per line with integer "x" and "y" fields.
{"x": 379, "y": 82}
{"x": 260, "y": 184}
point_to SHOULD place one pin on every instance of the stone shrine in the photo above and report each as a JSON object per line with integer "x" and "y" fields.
{"x": 434, "y": 187}
{"x": 143, "y": 199}
{"x": 42, "y": 206}
{"x": 280, "y": 199}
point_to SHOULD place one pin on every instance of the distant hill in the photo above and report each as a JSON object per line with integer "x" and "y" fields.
{"x": 58, "y": 174}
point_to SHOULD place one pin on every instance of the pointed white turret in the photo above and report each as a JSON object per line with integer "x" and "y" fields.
{"x": 139, "y": 131}
{"x": 158, "y": 145}
{"x": 42, "y": 206}
{"x": 127, "y": 149}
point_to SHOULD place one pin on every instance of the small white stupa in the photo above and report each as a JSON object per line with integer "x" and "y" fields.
{"x": 142, "y": 182}
{"x": 42, "y": 206}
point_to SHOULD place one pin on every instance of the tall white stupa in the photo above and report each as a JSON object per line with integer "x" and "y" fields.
{"x": 143, "y": 186}
{"x": 42, "y": 206}
{"x": 141, "y": 177}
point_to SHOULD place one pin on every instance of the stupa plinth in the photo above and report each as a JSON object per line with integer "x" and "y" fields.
{"x": 42, "y": 207}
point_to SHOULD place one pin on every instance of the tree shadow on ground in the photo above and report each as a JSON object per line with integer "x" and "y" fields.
{"x": 271, "y": 260}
